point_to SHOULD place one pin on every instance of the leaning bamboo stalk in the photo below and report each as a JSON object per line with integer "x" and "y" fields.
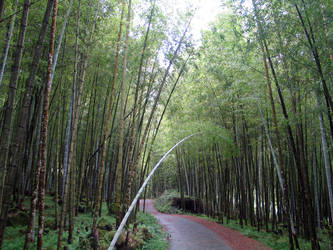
{"x": 280, "y": 177}
{"x": 130, "y": 209}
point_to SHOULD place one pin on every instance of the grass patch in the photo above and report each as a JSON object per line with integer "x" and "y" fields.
{"x": 158, "y": 240}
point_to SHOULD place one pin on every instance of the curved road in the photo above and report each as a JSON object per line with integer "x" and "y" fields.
{"x": 193, "y": 233}
{"x": 185, "y": 234}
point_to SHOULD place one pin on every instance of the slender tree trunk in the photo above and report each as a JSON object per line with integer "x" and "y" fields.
{"x": 71, "y": 155}
{"x": 82, "y": 164}
{"x": 8, "y": 117}
{"x": 300, "y": 163}
{"x": 133, "y": 127}
{"x": 2, "y": 5}
{"x": 326, "y": 31}
{"x": 8, "y": 114}
{"x": 316, "y": 193}
{"x": 291, "y": 231}
{"x": 56, "y": 54}
{"x": 180, "y": 180}
{"x": 44, "y": 131}
{"x": 282, "y": 181}
{"x": 42, "y": 155}
{"x": 326, "y": 159}
{"x": 11, "y": 28}
{"x": 108, "y": 120}
{"x": 75, "y": 114}
{"x": 121, "y": 123}
{"x": 161, "y": 118}
{"x": 68, "y": 138}
{"x": 57, "y": 169}
{"x": 312, "y": 43}
{"x": 141, "y": 144}
{"x": 19, "y": 139}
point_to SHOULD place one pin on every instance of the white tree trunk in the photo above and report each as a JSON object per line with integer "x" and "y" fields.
{"x": 11, "y": 28}
{"x": 326, "y": 157}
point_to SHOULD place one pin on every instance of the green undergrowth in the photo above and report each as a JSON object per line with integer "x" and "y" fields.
{"x": 273, "y": 240}
{"x": 164, "y": 203}
{"x": 149, "y": 234}
{"x": 158, "y": 240}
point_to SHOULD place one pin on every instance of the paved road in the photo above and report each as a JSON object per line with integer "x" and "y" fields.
{"x": 185, "y": 234}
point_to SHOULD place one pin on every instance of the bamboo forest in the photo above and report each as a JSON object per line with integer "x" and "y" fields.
{"x": 165, "y": 124}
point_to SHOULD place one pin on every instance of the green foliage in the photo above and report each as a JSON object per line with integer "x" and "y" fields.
{"x": 163, "y": 203}
{"x": 158, "y": 240}
{"x": 150, "y": 234}
{"x": 15, "y": 235}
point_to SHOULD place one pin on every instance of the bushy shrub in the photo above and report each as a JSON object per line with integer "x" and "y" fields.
{"x": 164, "y": 203}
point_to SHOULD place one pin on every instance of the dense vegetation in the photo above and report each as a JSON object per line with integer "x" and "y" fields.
{"x": 148, "y": 233}
{"x": 259, "y": 91}
{"x": 92, "y": 93}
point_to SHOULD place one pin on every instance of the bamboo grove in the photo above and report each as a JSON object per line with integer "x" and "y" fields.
{"x": 92, "y": 93}
{"x": 259, "y": 91}
{"x": 80, "y": 87}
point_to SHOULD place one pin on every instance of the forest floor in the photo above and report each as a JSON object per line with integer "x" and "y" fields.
{"x": 191, "y": 232}
{"x": 149, "y": 234}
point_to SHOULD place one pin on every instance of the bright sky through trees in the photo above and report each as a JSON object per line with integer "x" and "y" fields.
{"x": 206, "y": 12}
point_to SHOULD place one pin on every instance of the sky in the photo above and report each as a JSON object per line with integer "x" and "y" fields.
{"x": 206, "y": 12}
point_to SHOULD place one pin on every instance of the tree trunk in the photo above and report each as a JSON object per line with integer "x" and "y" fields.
{"x": 69, "y": 187}
{"x": 326, "y": 159}
{"x": 57, "y": 169}
{"x": 133, "y": 126}
{"x": 8, "y": 117}
{"x": 312, "y": 43}
{"x": 20, "y": 135}
{"x": 108, "y": 120}
{"x": 2, "y": 5}
{"x": 56, "y": 54}
{"x": 141, "y": 144}
{"x": 9, "y": 38}
{"x": 44, "y": 132}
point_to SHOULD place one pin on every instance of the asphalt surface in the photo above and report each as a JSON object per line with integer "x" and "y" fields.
{"x": 185, "y": 234}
